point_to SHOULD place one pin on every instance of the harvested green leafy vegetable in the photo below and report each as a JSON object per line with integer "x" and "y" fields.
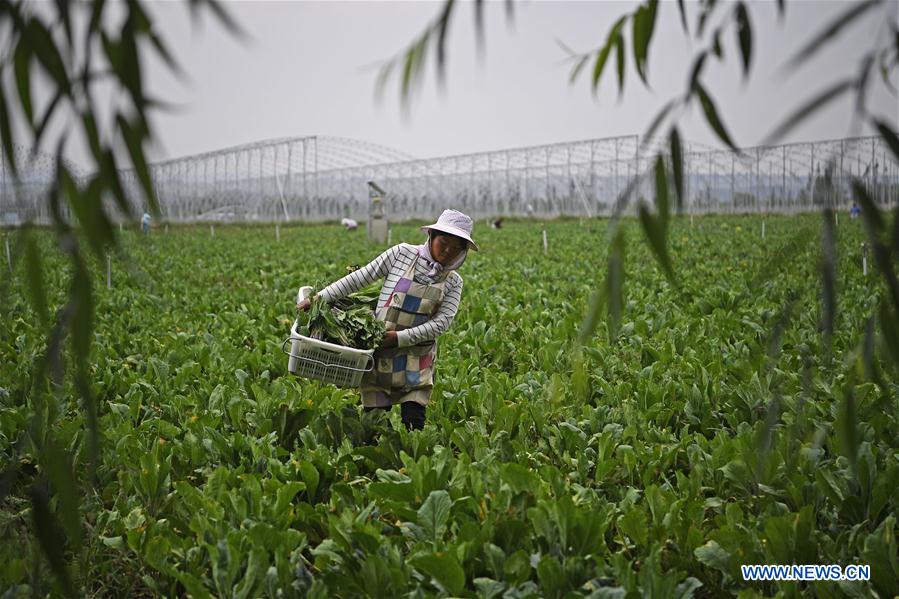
{"x": 349, "y": 321}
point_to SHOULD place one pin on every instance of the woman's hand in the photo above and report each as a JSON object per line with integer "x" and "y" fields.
{"x": 389, "y": 340}
{"x": 304, "y": 305}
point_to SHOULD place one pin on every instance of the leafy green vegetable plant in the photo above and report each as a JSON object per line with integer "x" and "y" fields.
{"x": 349, "y": 321}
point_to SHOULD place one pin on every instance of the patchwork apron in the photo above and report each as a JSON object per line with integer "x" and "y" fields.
{"x": 405, "y": 372}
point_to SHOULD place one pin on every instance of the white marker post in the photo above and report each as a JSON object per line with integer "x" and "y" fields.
{"x": 212, "y": 230}
{"x": 691, "y": 220}
{"x": 166, "y": 229}
{"x": 389, "y": 236}
{"x": 8, "y": 255}
{"x": 545, "y": 244}
{"x": 865, "y": 259}
{"x": 108, "y": 271}
{"x": 278, "y": 233}
{"x": 120, "y": 226}
{"x": 836, "y": 218}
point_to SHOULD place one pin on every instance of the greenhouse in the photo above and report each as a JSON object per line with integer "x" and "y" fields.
{"x": 322, "y": 178}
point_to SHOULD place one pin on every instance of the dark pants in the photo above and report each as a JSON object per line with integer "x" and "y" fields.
{"x": 413, "y": 414}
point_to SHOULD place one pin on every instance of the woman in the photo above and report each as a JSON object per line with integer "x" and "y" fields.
{"x": 418, "y": 302}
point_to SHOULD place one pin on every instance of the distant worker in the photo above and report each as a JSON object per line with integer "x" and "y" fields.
{"x": 855, "y": 211}
{"x": 349, "y": 223}
{"x": 498, "y": 223}
{"x": 419, "y": 298}
{"x": 145, "y": 223}
{"x": 529, "y": 210}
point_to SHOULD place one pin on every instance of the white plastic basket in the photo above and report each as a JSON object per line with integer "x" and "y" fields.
{"x": 328, "y": 362}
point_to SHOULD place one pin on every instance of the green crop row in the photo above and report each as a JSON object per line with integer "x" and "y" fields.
{"x": 718, "y": 428}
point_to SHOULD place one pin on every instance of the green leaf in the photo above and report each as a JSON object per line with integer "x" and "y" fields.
{"x": 518, "y": 478}
{"x": 889, "y": 326}
{"x": 166, "y": 56}
{"x": 677, "y": 167}
{"x": 870, "y": 212}
{"x": 395, "y": 491}
{"x": 83, "y": 304}
{"x": 35, "y": 275}
{"x": 656, "y": 227}
{"x": 744, "y": 35}
{"x": 47, "y": 531}
{"x": 444, "y": 568}
{"x": 111, "y": 176}
{"x": 658, "y": 120}
{"x": 881, "y": 553}
{"x": 57, "y": 465}
{"x": 854, "y": 11}
{"x": 578, "y": 67}
{"x": 696, "y": 71}
{"x": 134, "y": 138}
{"x": 828, "y": 485}
{"x": 634, "y": 524}
{"x": 442, "y": 28}
{"x": 286, "y": 494}
{"x": 412, "y": 66}
{"x": 809, "y": 108}
{"x": 62, "y": 9}
{"x": 310, "y": 477}
{"x": 551, "y": 576}
{"x": 479, "y": 22}
{"x": 495, "y": 558}
{"x": 603, "y": 54}
{"x": 683, "y": 16}
{"x": 643, "y": 25}
{"x": 828, "y": 273}
{"x": 713, "y": 555}
{"x": 251, "y": 581}
{"x": 87, "y": 207}
{"x": 23, "y": 78}
{"x": 434, "y": 514}
{"x": 889, "y": 136}
{"x": 116, "y": 542}
{"x": 620, "y": 53}
{"x": 876, "y": 226}
{"x": 9, "y": 154}
{"x": 661, "y": 178}
{"x": 41, "y": 127}
{"x": 517, "y": 567}
{"x": 224, "y": 17}
{"x": 48, "y": 54}
{"x": 711, "y": 116}
{"x": 717, "y": 49}
{"x": 847, "y": 426}
{"x": 382, "y": 79}
{"x": 704, "y": 14}
{"x": 614, "y": 287}
{"x": 599, "y": 65}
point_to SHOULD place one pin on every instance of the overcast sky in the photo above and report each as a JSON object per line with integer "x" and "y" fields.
{"x": 306, "y": 70}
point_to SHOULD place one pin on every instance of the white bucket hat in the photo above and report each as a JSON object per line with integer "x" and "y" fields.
{"x": 455, "y": 223}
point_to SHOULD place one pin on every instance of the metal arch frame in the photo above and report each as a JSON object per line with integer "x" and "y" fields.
{"x": 322, "y": 178}
{"x": 394, "y": 154}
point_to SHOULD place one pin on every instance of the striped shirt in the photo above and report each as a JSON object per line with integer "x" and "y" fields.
{"x": 392, "y": 265}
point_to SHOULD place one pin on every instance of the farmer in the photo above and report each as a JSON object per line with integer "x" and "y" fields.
{"x": 418, "y": 301}
{"x": 145, "y": 221}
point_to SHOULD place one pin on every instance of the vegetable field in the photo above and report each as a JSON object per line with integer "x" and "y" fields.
{"x": 719, "y": 427}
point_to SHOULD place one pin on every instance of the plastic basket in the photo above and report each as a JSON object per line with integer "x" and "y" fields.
{"x": 327, "y": 362}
